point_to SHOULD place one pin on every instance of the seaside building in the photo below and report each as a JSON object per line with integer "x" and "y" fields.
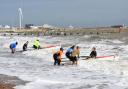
{"x": 47, "y": 26}
{"x": 71, "y": 27}
{"x": 7, "y": 27}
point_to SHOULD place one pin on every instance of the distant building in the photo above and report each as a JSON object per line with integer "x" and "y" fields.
{"x": 117, "y": 26}
{"x": 28, "y": 26}
{"x": 34, "y": 27}
{"x": 7, "y": 27}
{"x": 47, "y": 26}
{"x": 71, "y": 27}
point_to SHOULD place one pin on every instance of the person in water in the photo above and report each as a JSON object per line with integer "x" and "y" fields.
{"x": 75, "y": 55}
{"x": 25, "y": 46}
{"x": 13, "y": 47}
{"x": 58, "y": 56}
{"x": 69, "y": 52}
{"x": 93, "y": 54}
{"x": 36, "y": 44}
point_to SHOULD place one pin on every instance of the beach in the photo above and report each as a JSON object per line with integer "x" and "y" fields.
{"x": 9, "y": 82}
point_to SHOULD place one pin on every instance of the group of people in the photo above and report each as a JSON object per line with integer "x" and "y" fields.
{"x": 13, "y": 45}
{"x": 73, "y": 54}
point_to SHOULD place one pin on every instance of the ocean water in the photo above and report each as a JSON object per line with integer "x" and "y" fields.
{"x": 37, "y": 67}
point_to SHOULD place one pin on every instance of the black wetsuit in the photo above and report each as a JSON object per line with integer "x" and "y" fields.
{"x": 68, "y": 53}
{"x": 25, "y": 47}
{"x": 93, "y": 54}
{"x": 56, "y": 59}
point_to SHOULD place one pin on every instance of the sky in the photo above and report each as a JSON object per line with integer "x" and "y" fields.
{"x": 85, "y": 13}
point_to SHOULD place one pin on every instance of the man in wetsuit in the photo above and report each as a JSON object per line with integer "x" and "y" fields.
{"x": 69, "y": 52}
{"x": 93, "y": 54}
{"x": 36, "y": 44}
{"x": 57, "y": 56}
{"x": 25, "y": 46}
{"x": 13, "y": 47}
{"x": 75, "y": 55}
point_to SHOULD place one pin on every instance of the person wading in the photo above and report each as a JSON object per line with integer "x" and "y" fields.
{"x": 13, "y": 47}
{"x": 36, "y": 44}
{"x": 75, "y": 55}
{"x": 93, "y": 54}
{"x": 58, "y": 56}
{"x": 25, "y": 46}
{"x": 69, "y": 52}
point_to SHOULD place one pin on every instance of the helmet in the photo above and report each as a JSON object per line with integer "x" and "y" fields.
{"x": 37, "y": 40}
{"x": 77, "y": 47}
{"x": 16, "y": 43}
{"x": 61, "y": 49}
{"x": 73, "y": 47}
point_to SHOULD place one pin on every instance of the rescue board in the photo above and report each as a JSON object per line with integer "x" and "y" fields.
{"x": 110, "y": 57}
{"x": 30, "y": 49}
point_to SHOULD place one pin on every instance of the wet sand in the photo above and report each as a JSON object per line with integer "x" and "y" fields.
{"x": 6, "y": 86}
{"x": 9, "y": 82}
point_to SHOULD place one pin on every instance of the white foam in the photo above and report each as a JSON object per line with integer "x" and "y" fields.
{"x": 41, "y": 84}
{"x": 117, "y": 41}
{"x": 37, "y": 66}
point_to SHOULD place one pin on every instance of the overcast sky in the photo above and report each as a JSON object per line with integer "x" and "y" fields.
{"x": 65, "y": 12}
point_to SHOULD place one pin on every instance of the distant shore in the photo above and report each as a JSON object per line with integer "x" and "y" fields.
{"x": 104, "y": 33}
{"x": 65, "y": 32}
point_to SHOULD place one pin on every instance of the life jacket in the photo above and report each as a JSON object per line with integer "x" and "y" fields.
{"x": 75, "y": 53}
{"x": 69, "y": 51}
{"x": 36, "y": 43}
{"x": 59, "y": 53}
{"x": 13, "y": 45}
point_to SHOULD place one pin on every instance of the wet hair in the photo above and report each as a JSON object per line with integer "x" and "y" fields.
{"x": 37, "y": 40}
{"x": 16, "y": 43}
{"x": 61, "y": 49}
{"x": 77, "y": 47}
{"x": 94, "y": 48}
{"x": 73, "y": 47}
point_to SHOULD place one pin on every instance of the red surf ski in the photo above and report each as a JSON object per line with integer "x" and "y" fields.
{"x": 105, "y": 56}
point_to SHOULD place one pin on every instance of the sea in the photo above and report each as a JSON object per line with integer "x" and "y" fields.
{"x": 36, "y": 66}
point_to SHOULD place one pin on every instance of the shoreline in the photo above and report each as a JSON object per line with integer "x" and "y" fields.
{"x": 64, "y": 32}
{"x": 9, "y": 82}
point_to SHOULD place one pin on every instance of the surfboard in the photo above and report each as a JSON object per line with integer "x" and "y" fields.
{"x": 31, "y": 48}
{"x": 110, "y": 57}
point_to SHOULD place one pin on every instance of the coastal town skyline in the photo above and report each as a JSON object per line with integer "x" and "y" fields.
{"x": 65, "y": 12}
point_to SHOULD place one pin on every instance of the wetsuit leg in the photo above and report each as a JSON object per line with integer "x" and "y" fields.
{"x": 68, "y": 56}
{"x": 55, "y": 59}
{"x": 34, "y": 47}
{"x": 24, "y": 48}
{"x": 13, "y": 50}
{"x": 73, "y": 60}
{"x": 59, "y": 61}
